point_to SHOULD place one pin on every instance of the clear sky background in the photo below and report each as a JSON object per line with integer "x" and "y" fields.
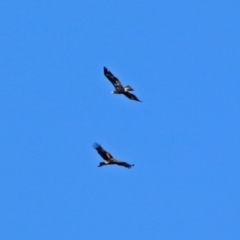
{"x": 182, "y": 59}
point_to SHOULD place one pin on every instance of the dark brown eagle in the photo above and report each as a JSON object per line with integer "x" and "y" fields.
{"x": 109, "y": 158}
{"x": 119, "y": 89}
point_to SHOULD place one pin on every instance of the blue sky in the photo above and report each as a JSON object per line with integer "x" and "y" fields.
{"x": 182, "y": 59}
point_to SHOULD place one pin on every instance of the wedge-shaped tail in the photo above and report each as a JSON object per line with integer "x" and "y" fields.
{"x": 128, "y": 88}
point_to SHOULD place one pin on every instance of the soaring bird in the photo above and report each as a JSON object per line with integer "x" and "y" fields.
{"x": 109, "y": 158}
{"x": 119, "y": 89}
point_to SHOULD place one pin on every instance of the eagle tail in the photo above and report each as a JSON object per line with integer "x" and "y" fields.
{"x": 128, "y": 88}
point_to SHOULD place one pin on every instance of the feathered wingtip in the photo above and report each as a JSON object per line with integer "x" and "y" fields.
{"x": 127, "y": 165}
{"x": 96, "y": 145}
{"x": 105, "y": 70}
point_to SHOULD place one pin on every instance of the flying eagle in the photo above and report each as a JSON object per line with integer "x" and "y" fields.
{"x": 109, "y": 158}
{"x": 119, "y": 89}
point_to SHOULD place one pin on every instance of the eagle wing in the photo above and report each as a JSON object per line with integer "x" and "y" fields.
{"x": 116, "y": 83}
{"x": 131, "y": 96}
{"x": 103, "y": 153}
{"x": 120, "y": 163}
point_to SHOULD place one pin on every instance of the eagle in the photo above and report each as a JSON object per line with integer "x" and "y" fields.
{"x": 119, "y": 89}
{"x": 108, "y": 158}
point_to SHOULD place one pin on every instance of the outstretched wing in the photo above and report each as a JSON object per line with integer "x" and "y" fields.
{"x": 131, "y": 96}
{"x": 123, "y": 164}
{"x": 116, "y": 83}
{"x": 104, "y": 154}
